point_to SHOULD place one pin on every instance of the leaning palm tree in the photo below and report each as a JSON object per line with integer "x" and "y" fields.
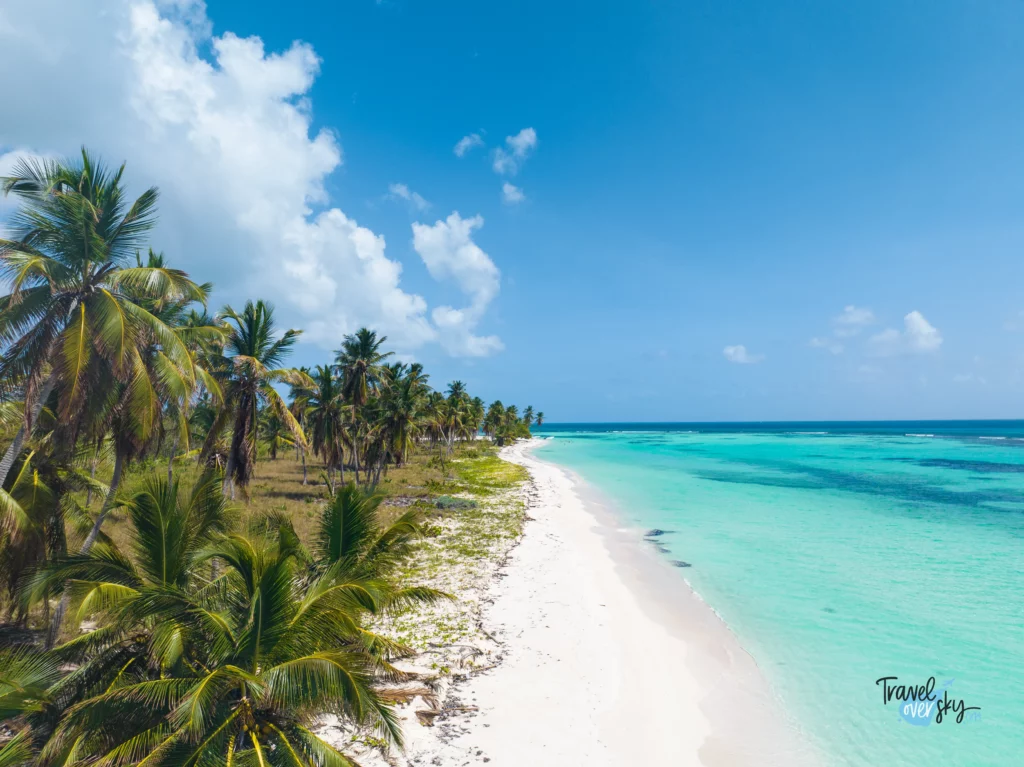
{"x": 248, "y": 370}
{"x": 540, "y": 418}
{"x": 74, "y": 291}
{"x": 363, "y": 370}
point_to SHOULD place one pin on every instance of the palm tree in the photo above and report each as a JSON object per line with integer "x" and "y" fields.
{"x": 540, "y": 418}
{"x": 398, "y": 420}
{"x": 248, "y": 369}
{"x": 363, "y": 371}
{"x": 325, "y": 420}
{"x": 528, "y": 416}
{"x": 74, "y": 298}
{"x": 299, "y": 406}
{"x": 235, "y": 671}
{"x": 494, "y": 418}
{"x": 26, "y": 677}
{"x": 275, "y": 433}
{"x": 44, "y": 487}
{"x": 354, "y": 542}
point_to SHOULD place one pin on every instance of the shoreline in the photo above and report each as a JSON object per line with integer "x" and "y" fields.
{"x": 599, "y": 657}
{"x": 746, "y": 720}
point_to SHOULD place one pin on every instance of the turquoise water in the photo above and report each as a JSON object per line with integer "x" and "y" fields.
{"x": 843, "y": 556}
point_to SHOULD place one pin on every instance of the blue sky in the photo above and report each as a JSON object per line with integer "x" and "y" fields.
{"x": 706, "y": 176}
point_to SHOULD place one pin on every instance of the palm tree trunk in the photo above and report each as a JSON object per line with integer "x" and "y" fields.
{"x": 355, "y": 456}
{"x": 92, "y": 475}
{"x": 170, "y": 460}
{"x": 228, "y": 488}
{"x": 14, "y": 449}
{"x": 90, "y": 539}
{"x": 355, "y": 441}
{"x": 303, "y": 452}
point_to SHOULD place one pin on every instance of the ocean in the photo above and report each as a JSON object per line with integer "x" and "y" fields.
{"x": 841, "y": 554}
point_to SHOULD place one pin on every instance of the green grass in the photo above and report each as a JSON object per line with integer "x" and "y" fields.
{"x": 459, "y": 545}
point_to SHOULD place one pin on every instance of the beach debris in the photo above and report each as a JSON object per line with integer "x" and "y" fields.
{"x": 680, "y": 563}
{"x": 406, "y": 694}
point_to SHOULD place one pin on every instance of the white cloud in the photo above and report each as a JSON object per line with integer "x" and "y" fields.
{"x": 224, "y": 128}
{"x": 852, "y": 320}
{"x": 917, "y": 337}
{"x": 511, "y": 194}
{"x": 467, "y": 144}
{"x": 829, "y": 344}
{"x": 520, "y": 146}
{"x": 449, "y": 252}
{"x": 403, "y": 192}
{"x": 740, "y": 355}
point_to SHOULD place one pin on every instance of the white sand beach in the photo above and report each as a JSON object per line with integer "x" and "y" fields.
{"x": 591, "y": 669}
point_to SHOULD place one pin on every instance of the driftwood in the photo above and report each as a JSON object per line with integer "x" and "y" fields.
{"x": 406, "y": 694}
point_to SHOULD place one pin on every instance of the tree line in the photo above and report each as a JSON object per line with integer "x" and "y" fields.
{"x": 210, "y": 645}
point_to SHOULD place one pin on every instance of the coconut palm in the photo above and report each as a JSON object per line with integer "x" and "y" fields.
{"x": 45, "y": 488}
{"x": 325, "y": 413}
{"x": 274, "y": 433}
{"x": 26, "y": 677}
{"x": 299, "y": 406}
{"x": 540, "y": 418}
{"x": 363, "y": 371}
{"x": 233, "y": 671}
{"x": 354, "y": 542}
{"x": 248, "y": 369}
{"x": 400, "y": 416}
{"x": 74, "y": 299}
{"x": 528, "y": 416}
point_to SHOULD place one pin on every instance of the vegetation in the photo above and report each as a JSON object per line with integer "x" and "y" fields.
{"x": 150, "y": 619}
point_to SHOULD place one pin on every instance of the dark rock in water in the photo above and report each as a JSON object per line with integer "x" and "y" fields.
{"x": 828, "y": 609}
{"x": 655, "y": 533}
{"x": 680, "y": 563}
{"x": 662, "y": 548}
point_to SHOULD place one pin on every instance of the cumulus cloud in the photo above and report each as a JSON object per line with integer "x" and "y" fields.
{"x": 917, "y": 337}
{"x": 225, "y": 129}
{"x": 449, "y": 253}
{"x": 403, "y": 192}
{"x": 467, "y": 144}
{"x": 829, "y": 344}
{"x": 852, "y": 320}
{"x": 519, "y": 147}
{"x": 512, "y": 194}
{"x": 740, "y": 355}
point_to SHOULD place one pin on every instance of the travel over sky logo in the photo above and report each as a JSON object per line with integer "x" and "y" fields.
{"x": 920, "y": 705}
